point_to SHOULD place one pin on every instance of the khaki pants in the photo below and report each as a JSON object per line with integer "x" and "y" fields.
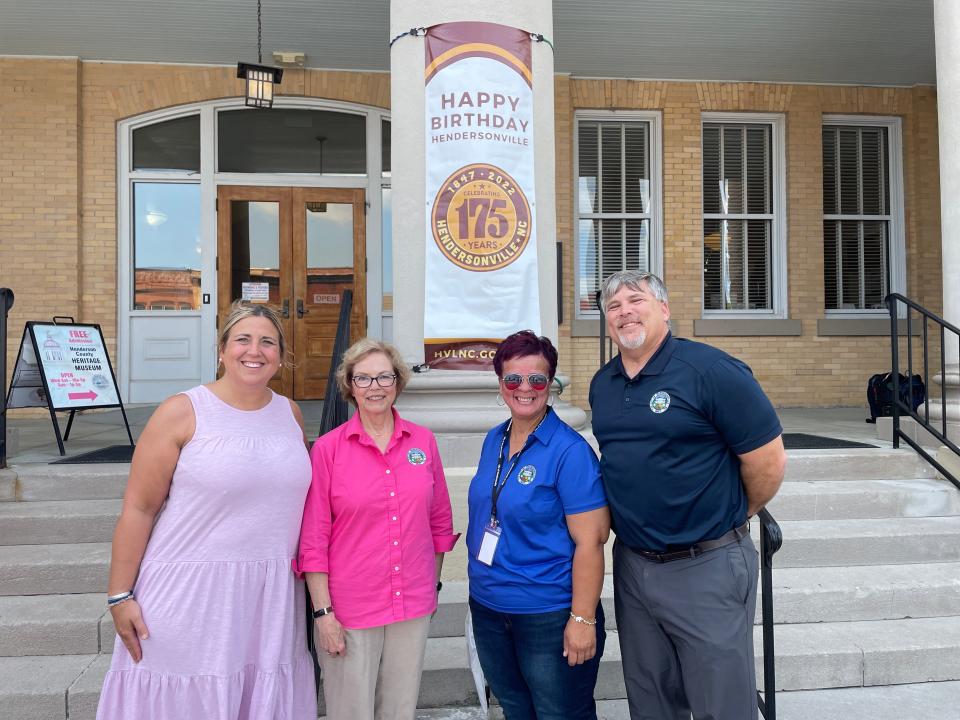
{"x": 379, "y": 677}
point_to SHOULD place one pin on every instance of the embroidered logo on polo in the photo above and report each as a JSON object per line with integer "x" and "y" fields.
{"x": 416, "y": 456}
{"x": 660, "y": 402}
{"x": 526, "y": 475}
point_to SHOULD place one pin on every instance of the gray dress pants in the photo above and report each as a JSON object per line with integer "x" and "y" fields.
{"x": 686, "y": 633}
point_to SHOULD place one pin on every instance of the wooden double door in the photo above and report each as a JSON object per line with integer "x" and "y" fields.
{"x": 296, "y": 249}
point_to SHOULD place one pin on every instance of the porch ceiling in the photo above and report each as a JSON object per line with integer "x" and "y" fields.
{"x": 876, "y": 42}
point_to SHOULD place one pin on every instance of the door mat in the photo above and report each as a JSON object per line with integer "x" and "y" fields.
{"x": 802, "y": 441}
{"x": 111, "y": 454}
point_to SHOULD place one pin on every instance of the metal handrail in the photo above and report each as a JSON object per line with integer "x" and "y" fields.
{"x": 334, "y": 406}
{"x": 333, "y": 415}
{"x": 6, "y": 302}
{"x": 893, "y": 302}
{"x": 771, "y": 539}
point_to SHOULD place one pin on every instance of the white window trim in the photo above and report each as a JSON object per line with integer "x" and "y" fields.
{"x": 897, "y": 235}
{"x": 779, "y": 293}
{"x": 655, "y": 118}
{"x": 209, "y": 181}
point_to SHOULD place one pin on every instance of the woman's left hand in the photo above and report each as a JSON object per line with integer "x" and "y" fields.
{"x": 579, "y": 642}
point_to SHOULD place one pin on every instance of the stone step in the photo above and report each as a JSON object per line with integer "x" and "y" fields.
{"x": 856, "y": 464}
{"x": 58, "y": 521}
{"x": 825, "y": 655}
{"x": 77, "y": 624}
{"x": 920, "y": 701}
{"x": 809, "y": 656}
{"x": 54, "y": 625}
{"x": 888, "y": 541}
{"x": 801, "y": 595}
{"x": 34, "y": 688}
{"x": 54, "y": 569}
{"x": 107, "y": 481}
{"x": 32, "y": 482}
{"x": 864, "y": 499}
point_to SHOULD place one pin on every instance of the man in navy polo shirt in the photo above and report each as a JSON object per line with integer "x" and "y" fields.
{"x": 691, "y": 448}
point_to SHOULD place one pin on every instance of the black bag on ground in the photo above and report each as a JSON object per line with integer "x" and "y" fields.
{"x": 880, "y": 394}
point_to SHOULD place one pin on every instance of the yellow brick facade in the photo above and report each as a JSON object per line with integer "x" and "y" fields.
{"x": 58, "y": 197}
{"x": 804, "y": 370}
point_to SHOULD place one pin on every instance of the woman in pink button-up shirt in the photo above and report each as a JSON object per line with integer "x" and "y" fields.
{"x": 375, "y": 526}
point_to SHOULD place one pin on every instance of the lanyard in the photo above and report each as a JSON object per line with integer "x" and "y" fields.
{"x": 497, "y": 484}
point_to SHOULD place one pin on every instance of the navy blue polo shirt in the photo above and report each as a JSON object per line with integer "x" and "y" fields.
{"x": 669, "y": 440}
{"x": 557, "y": 475}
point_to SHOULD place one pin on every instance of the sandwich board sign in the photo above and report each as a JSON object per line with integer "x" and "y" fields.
{"x": 64, "y": 367}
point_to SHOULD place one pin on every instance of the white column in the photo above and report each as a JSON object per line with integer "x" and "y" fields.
{"x": 408, "y": 152}
{"x": 947, "y": 31}
{"x": 460, "y": 406}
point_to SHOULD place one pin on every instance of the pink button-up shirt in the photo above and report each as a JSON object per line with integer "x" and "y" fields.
{"x": 374, "y": 522}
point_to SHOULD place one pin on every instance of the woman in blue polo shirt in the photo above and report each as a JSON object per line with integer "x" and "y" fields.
{"x": 538, "y": 523}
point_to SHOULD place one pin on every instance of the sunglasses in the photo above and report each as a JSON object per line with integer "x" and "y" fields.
{"x": 537, "y": 381}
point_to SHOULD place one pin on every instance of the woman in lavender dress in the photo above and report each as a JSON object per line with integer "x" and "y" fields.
{"x": 207, "y": 609}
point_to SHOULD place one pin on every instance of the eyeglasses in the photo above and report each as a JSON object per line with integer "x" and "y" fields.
{"x": 537, "y": 381}
{"x": 365, "y": 381}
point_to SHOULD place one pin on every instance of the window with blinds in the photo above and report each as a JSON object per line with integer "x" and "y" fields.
{"x": 856, "y": 217}
{"x": 738, "y": 216}
{"x": 614, "y": 204}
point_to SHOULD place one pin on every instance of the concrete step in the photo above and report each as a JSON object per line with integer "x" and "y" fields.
{"x": 888, "y": 541}
{"x": 76, "y": 624}
{"x": 856, "y": 464}
{"x": 54, "y": 569}
{"x": 58, "y": 521}
{"x": 809, "y": 656}
{"x": 36, "y": 688}
{"x": 825, "y": 655}
{"x": 868, "y": 653}
{"x": 917, "y": 701}
{"x": 921, "y": 701}
{"x": 864, "y": 499}
{"x": 801, "y": 595}
{"x": 105, "y": 481}
{"x": 54, "y": 625}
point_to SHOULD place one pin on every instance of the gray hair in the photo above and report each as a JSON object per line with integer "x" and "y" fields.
{"x": 357, "y": 352}
{"x": 635, "y": 280}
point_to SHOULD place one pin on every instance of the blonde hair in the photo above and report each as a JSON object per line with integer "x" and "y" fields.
{"x": 357, "y": 352}
{"x": 241, "y": 310}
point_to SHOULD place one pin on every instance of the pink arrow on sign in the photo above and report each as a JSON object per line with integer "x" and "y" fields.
{"x": 88, "y": 395}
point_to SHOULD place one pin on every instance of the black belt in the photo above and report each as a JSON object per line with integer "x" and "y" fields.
{"x": 694, "y": 550}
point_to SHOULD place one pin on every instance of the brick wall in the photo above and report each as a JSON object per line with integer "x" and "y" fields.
{"x": 39, "y": 191}
{"x": 58, "y": 201}
{"x": 805, "y": 370}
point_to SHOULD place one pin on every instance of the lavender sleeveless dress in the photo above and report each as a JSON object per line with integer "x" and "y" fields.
{"x": 224, "y": 610}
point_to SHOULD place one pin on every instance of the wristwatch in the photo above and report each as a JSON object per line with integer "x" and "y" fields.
{"x": 323, "y": 611}
{"x": 439, "y": 586}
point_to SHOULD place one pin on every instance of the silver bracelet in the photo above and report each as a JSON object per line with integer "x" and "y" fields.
{"x": 119, "y": 598}
{"x": 581, "y": 619}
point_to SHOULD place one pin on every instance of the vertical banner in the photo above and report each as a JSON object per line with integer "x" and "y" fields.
{"x": 481, "y": 253}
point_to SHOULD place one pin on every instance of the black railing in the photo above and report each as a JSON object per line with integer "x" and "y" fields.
{"x": 334, "y": 414}
{"x": 334, "y": 406}
{"x": 946, "y": 333}
{"x": 6, "y": 302}
{"x": 607, "y": 348}
{"x": 770, "y": 541}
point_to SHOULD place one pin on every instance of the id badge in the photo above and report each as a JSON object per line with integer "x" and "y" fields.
{"x": 488, "y": 546}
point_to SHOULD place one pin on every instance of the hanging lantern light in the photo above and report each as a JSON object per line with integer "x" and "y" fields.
{"x": 260, "y": 78}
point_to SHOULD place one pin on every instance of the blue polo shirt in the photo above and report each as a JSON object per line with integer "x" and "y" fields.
{"x": 669, "y": 440}
{"x": 557, "y": 475}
